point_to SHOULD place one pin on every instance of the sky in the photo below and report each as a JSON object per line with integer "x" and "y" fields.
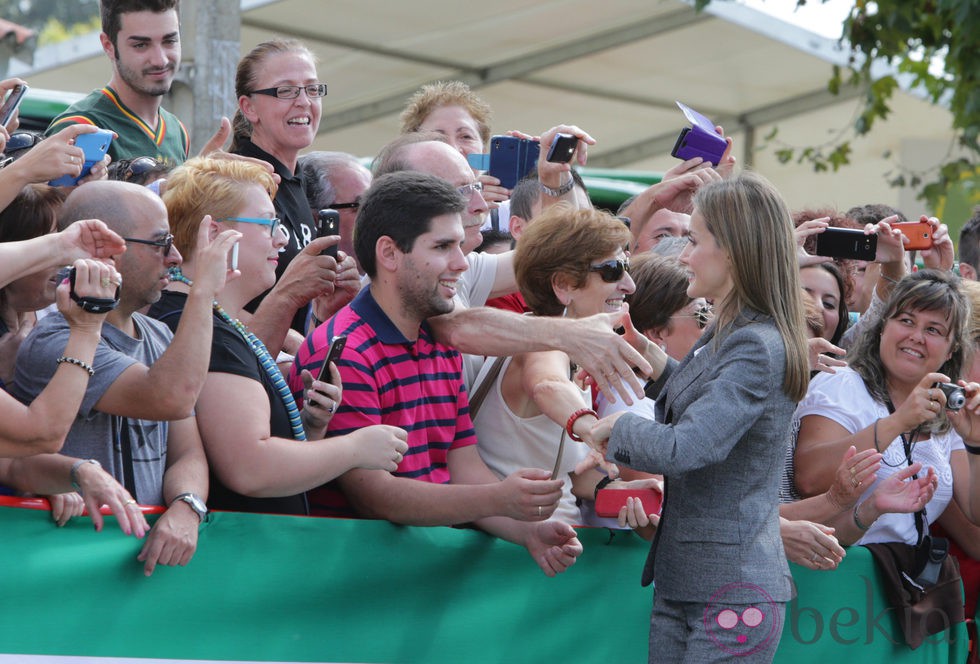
{"x": 823, "y": 18}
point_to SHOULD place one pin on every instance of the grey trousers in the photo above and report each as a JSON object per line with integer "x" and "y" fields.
{"x": 698, "y": 633}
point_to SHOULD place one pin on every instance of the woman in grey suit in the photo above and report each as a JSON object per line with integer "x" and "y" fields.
{"x": 721, "y": 576}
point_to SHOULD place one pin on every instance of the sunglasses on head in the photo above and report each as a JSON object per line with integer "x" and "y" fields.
{"x": 611, "y": 271}
{"x": 21, "y": 140}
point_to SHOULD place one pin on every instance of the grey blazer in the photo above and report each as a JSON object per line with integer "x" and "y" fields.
{"x": 721, "y": 448}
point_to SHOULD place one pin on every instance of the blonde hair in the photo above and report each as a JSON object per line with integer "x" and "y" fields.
{"x": 204, "y": 185}
{"x": 751, "y": 223}
{"x": 446, "y": 93}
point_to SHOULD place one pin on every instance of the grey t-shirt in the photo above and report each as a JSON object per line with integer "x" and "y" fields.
{"x": 98, "y": 435}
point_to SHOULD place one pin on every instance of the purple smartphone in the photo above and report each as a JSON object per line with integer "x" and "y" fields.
{"x": 699, "y": 140}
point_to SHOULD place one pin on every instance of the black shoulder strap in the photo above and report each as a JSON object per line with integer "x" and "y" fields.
{"x": 121, "y": 433}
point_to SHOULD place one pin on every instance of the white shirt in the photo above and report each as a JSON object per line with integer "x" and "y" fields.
{"x": 843, "y": 398}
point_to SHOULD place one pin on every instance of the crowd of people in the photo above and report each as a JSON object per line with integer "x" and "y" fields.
{"x": 509, "y": 353}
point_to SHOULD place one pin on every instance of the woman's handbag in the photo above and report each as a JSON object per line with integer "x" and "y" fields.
{"x": 922, "y": 584}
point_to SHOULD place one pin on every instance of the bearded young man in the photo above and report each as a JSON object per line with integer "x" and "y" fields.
{"x": 142, "y": 40}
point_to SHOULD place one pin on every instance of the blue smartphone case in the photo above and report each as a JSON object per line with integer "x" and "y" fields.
{"x": 95, "y": 147}
{"x": 512, "y": 158}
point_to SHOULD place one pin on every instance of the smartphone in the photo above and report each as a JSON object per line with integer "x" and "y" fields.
{"x": 95, "y": 146}
{"x": 511, "y": 159}
{"x": 328, "y": 223}
{"x": 847, "y": 243}
{"x": 700, "y": 139}
{"x": 562, "y": 149}
{"x": 12, "y": 102}
{"x": 919, "y": 234}
{"x": 610, "y": 501}
{"x": 233, "y": 258}
{"x": 336, "y": 348}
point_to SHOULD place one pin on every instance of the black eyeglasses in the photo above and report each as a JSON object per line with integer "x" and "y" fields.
{"x": 347, "y": 206}
{"x": 166, "y": 243}
{"x": 611, "y": 271}
{"x": 313, "y": 91}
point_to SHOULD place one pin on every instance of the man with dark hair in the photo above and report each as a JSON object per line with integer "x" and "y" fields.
{"x": 336, "y": 180}
{"x": 409, "y": 239}
{"x": 142, "y": 40}
{"x": 969, "y": 247}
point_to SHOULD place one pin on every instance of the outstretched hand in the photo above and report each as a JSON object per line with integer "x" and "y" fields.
{"x": 554, "y": 546}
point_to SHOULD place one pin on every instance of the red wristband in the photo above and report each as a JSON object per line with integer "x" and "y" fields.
{"x": 574, "y": 418}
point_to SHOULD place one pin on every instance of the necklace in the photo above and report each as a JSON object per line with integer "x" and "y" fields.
{"x": 263, "y": 356}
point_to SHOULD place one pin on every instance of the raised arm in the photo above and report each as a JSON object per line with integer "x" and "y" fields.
{"x": 590, "y": 342}
{"x": 168, "y": 389}
{"x": 42, "y": 426}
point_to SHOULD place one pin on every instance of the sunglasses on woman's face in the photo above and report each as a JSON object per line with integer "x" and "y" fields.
{"x": 611, "y": 271}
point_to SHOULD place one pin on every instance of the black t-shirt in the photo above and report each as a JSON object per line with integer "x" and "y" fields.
{"x": 231, "y": 354}
{"x": 297, "y": 217}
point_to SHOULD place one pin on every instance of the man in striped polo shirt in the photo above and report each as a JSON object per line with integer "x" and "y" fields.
{"x": 409, "y": 240}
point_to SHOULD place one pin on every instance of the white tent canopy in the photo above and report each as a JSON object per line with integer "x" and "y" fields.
{"x": 612, "y": 68}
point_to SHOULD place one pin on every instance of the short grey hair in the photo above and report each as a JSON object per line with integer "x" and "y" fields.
{"x": 317, "y": 168}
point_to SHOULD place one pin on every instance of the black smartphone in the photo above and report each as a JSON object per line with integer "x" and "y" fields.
{"x": 562, "y": 149}
{"x": 336, "y": 348}
{"x": 328, "y": 223}
{"x": 847, "y": 243}
{"x": 11, "y": 103}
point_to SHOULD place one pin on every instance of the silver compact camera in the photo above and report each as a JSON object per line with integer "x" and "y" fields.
{"x": 955, "y": 396}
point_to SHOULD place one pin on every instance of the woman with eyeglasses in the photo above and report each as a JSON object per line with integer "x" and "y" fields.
{"x": 569, "y": 263}
{"x": 724, "y": 416}
{"x": 249, "y": 423}
{"x": 279, "y": 107}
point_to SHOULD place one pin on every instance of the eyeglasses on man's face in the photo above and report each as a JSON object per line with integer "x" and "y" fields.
{"x": 274, "y": 223}
{"x": 166, "y": 243}
{"x": 313, "y": 91}
{"x": 467, "y": 190}
{"x": 611, "y": 271}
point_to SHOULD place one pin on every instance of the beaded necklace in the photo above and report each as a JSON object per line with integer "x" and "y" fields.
{"x": 265, "y": 359}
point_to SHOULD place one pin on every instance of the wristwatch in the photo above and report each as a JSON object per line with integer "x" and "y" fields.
{"x": 562, "y": 189}
{"x": 196, "y": 504}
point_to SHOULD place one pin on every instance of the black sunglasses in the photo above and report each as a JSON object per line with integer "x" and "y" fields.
{"x": 611, "y": 271}
{"x": 139, "y": 167}
{"x": 21, "y": 140}
{"x": 166, "y": 243}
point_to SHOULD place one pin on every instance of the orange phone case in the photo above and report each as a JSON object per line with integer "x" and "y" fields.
{"x": 610, "y": 501}
{"x": 919, "y": 234}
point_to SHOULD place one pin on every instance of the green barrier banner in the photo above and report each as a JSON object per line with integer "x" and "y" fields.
{"x": 266, "y": 588}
